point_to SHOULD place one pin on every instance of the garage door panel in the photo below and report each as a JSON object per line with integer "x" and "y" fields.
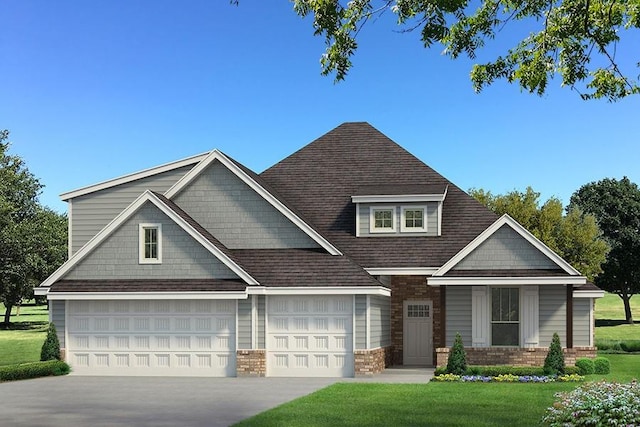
{"x": 152, "y": 338}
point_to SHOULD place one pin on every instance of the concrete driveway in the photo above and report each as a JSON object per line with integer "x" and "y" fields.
{"x": 146, "y": 401}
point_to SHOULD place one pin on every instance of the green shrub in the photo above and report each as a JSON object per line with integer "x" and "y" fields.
{"x": 457, "y": 363}
{"x": 601, "y": 365}
{"x": 617, "y": 346}
{"x": 440, "y": 371}
{"x": 630, "y": 346}
{"x": 51, "y": 347}
{"x": 554, "y": 362}
{"x": 596, "y": 404}
{"x": 585, "y": 365}
{"x": 33, "y": 370}
{"x": 572, "y": 370}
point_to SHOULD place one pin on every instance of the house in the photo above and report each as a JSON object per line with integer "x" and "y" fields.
{"x": 348, "y": 256}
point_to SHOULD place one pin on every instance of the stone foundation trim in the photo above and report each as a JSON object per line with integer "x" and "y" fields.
{"x": 369, "y": 362}
{"x": 251, "y": 363}
{"x": 487, "y": 356}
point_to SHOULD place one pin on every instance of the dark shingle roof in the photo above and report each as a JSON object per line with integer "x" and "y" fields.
{"x": 151, "y": 285}
{"x": 319, "y": 180}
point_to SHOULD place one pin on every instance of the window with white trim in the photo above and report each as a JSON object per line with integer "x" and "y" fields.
{"x": 382, "y": 219}
{"x": 505, "y": 316}
{"x": 150, "y": 251}
{"x": 413, "y": 219}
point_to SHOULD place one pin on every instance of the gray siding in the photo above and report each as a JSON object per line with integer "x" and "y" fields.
{"x": 380, "y": 318}
{"x": 365, "y": 216}
{"x": 581, "y": 321}
{"x": 91, "y": 212}
{"x": 261, "y": 322}
{"x": 361, "y": 322}
{"x": 57, "y": 317}
{"x": 182, "y": 257}
{"x": 458, "y": 314}
{"x": 553, "y": 313}
{"x": 238, "y": 216}
{"x": 244, "y": 324}
{"x": 505, "y": 249}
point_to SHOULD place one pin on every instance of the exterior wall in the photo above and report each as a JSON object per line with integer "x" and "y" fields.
{"x": 261, "y": 321}
{"x": 582, "y": 321}
{"x": 238, "y": 216}
{"x": 91, "y": 212}
{"x": 505, "y": 249}
{"x": 514, "y": 356}
{"x": 364, "y": 218}
{"x": 458, "y": 314}
{"x": 361, "y": 321}
{"x": 369, "y": 362}
{"x": 57, "y": 309}
{"x": 411, "y": 288}
{"x": 380, "y": 321}
{"x": 553, "y": 314}
{"x": 244, "y": 324}
{"x": 182, "y": 257}
{"x": 251, "y": 363}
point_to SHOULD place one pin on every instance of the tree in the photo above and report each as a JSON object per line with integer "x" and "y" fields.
{"x": 616, "y": 206}
{"x": 457, "y": 363}
{"x": 554, "y": 362}
{"x": 51, "y": 347}
{"x": 574, "y": 236}
{"x": 575, "y": 39}
{"x": 32, "y": 238}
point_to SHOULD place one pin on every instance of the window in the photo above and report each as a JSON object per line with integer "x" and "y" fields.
{"x": 150, "y": 251}
{"x": 413, "y": 219}
{"x": 417, "y": 310}
{"x": 505, "y": 316}
{"x": 382, "y": 219}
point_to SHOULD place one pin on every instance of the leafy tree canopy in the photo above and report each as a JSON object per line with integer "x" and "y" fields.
{"x": 574, "y": 236}
{"x": 575, "y": 39}
{"x": 616, "y": 205}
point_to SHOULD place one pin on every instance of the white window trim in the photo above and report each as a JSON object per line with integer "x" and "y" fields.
{"x": 404, "y": 228}
{"x": 394, "y": 219}
{"x": 141, "y": 258}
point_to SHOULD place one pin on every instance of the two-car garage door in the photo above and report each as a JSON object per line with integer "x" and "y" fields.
{"x": 162, "y": 337}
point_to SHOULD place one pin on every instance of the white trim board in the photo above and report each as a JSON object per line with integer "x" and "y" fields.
{"x": 523, "y": 232}
{"x": 145, "y": 197}
{"x": 133, "y": 176}
{"x": 401, "y": 271}
{"x": 332, "y": 290}
{"x": 145, "y": 295}
{"x": 242, "y": 175}
{"x": 505, "y": 281}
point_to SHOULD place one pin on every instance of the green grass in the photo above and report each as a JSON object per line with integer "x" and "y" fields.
{"x": 432, "y": 404}
{"x": 23, "y": 341}
{"x": 610, "y": 319}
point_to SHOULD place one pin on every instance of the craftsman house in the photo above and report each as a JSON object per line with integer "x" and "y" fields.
{"x": 345, "y": 257}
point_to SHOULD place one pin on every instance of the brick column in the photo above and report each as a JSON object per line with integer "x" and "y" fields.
{"x": 251, "y": 363}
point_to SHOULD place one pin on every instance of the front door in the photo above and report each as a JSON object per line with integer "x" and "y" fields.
{"x": 417, "y": 337}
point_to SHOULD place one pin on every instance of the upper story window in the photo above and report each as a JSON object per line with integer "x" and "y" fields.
{"x": 150, "y": 251}
{"x": 413, "y": 219}
{"x": 505, "y": 316}
{"x": 382, "y": 219}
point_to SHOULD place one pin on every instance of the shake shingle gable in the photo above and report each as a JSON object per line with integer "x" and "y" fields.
{"x": 319, "y": 180}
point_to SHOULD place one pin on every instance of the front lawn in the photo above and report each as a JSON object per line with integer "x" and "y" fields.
{"x": 23, "y": 341}
{"x": 610, "y": 323}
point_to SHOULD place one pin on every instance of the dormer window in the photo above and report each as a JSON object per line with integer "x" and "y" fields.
{"x": 382, "y": 219}
{"x": 413, "y": 219}
{"x": 150, "y": 251}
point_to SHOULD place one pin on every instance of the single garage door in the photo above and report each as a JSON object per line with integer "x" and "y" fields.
{"x": 161, "y": 337}
{"x": 310, "y": 336}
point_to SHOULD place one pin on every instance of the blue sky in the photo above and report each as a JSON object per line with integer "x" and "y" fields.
{"x": 94, "y": 90}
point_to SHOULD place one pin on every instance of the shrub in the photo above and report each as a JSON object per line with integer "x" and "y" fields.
{"x": 440, "y": 371}
{"x": 630, "y": 346}
{"x": 594, "y": 404}
{"x": 51, "y": 347}
{"x": 571, "y": 370}
{"x": 33, "y": 370}
{"x": 457, "y": 363}
{"x": 601, "y": 365}
{"x": 554, "y": 362}
{"x": 586, "y": 366}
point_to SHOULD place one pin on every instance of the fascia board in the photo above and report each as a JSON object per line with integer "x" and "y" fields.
{"x": 401, "y": 271}
{"x": 145, "y": 295}
{"x": 281, "y": 207}
{"x": 504, "y": 281}
{"x": 577, "y": 293}
{"x": 133, "y": 176}
{"x": 401, "y": 198}
{"x": 331, "y": 290}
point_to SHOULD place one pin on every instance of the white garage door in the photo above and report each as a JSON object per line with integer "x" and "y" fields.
{"x": 177, "y": 338}
{"x": 310, "y": 336}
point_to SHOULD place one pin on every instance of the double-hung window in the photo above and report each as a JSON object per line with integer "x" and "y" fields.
{"x": 150, "y": 251}
{"x": 505, "y": 316}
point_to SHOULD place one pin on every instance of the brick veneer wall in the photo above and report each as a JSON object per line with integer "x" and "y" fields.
{"x": 251, "y": 363}
{"x": 514, "y": 356}
{"x": 411, "y": 288}
{"x": 369, "y": 362}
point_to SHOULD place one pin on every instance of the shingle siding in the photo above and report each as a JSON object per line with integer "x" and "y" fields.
{"x": 92, "y": 212}
{"x": 365, "y": 219}
{"x": 458, "y": 313}
{"x": 553, "y": 313}
{"x": 238, "y": 216}
{"x": 182, "y": 257}
{"x": 505, "y": 249}
{"x": 380, "y": 321}
{"x": 581, "y": 321}
{"x": 58, "y": 318}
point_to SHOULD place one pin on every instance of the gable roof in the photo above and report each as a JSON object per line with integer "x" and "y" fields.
{"x": 249, "y": 178}
{"x": 320, "y": 179}
{"x": 176, "y": 215}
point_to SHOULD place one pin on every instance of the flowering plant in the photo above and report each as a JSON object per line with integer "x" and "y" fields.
{"x": 508, "y": 378}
